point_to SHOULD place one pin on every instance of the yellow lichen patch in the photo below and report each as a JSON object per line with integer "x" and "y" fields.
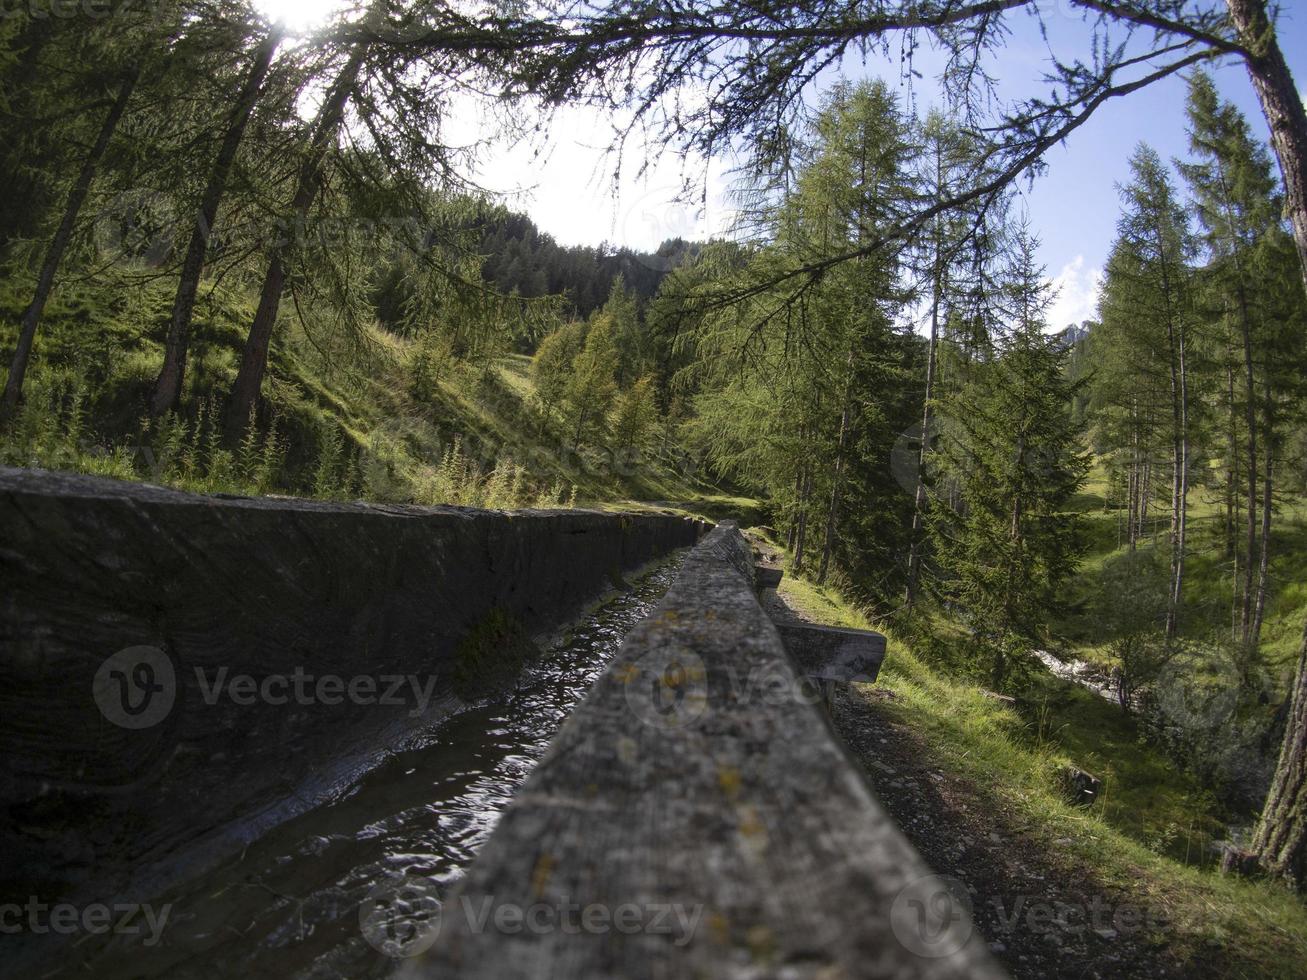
{"x": 728, "y": 778}
{"x": 627, "y": 749}
{"x": 720, "y": 927}
{"x": 762, "y": 943}
{"x": 540, "y": 876}
{"x": 749, "y": 823}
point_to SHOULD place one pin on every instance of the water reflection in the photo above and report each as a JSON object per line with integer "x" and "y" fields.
{"x": 289, "y": 906}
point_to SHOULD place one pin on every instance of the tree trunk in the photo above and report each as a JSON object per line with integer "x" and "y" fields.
{"x": 794, "y": 523}
{"x": 1177, "y": 481}
{"x": 1264, "y": 559}
{"x": 1136, "y": 480}
{"x": 832, "y": 513}
{"x": 254, "y": 361}
{"x": 919, "y": 507}
{"x": 58, "y": 245}
{"x": 1250, "y": 420}
{"x": 1282, "y": 107}
{"x": 168, "y": 387}
{"x": 802, "y": 535}
{"x": 1281, "y": 844}
{"x": 1281, "y": 841}
{"x": 1182, "y": 542}
{"x": 1145, "y": 493}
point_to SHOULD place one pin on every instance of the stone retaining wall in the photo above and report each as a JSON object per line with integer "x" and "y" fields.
{"x": 163, "y": 656}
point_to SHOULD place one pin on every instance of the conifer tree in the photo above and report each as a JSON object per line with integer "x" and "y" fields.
{"x": 168, "y": 386}
{"x": 551, "y": 367}
{"x": 1235, "y": 197}
{"x": 1015, "y": 451}
{"x": 590, "y": 388}
{"x": 634, "y": 413}
{"x": 1151, "y": 263}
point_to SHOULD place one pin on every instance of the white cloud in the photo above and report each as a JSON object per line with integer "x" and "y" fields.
{"x": 565, "y": 182}
{"x": 1077, "y": 294}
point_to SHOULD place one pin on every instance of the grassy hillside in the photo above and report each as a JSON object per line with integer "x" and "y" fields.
{"x": 348, "y": 413}
{"x": 1148, "y": 836}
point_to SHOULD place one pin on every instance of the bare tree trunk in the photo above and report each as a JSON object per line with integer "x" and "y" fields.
{"x": 1232, "y": 510}
{"x": 792, "y": 534}
{"x": 1250, "y": 420}
{"x": 802, "y": 534}
{"x": 1264, "y": 559}
{"x": 1281, "y": 843}
{"x": 1145, "y": 494}
{"x": 837, "y": 479}
{"x": 919, "y": 507}
{"x": 1281, "y": 840}
{"x": 168, "y": 387}
{"x": 1282, "y": 107}
{"x": 932, "y": 353}
{"x": 1177, "y": 482}
{"x": 1123, "y": 535}
{"x": 1184, "y": 479}
{"x": 1131, "y": 489}
{"x": 59, "y": 245}
{"x": 254, "y": 361}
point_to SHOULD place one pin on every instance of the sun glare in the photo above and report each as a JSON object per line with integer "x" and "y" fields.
{"x": 298, "y": 15}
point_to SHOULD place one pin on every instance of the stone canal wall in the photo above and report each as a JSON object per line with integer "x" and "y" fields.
{"x": 180, "y": 672}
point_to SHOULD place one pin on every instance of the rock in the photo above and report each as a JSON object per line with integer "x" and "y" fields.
{"x": 1237, "y": 860}
{"x": 829, "y": 654}
{"x": 1080, "y": 787}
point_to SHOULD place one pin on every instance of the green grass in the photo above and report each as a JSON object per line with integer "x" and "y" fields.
{"x": 1208, "y": 587}
{"x": 1147, "y": 833}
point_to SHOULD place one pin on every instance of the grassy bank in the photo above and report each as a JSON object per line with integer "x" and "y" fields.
{"x": 1148, "y": 833}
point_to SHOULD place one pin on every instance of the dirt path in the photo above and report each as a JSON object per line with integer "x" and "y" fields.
{"x": 1044, "y": 911}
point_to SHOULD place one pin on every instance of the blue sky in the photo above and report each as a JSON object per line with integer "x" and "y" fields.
{"x": 568, "y": 187}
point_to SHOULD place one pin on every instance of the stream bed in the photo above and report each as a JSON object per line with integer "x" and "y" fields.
{"x": 297, "y": 903}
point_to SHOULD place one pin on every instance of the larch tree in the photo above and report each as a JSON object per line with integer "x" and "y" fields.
{"x": 1234, "y": 192}
{"x": 1154, "y": 250}
{"x": 168, "y": 385}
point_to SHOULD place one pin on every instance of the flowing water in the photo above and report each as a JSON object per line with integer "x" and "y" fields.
{"x": 295, "y": 904}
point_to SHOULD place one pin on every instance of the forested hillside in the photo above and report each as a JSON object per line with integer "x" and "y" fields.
{"x": 519, "y": 258}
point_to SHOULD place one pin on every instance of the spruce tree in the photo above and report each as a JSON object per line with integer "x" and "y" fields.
{"x": 1016, "y": 454}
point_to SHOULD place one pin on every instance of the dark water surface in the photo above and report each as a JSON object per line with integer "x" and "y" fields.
{"x": 290, "y": 906}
